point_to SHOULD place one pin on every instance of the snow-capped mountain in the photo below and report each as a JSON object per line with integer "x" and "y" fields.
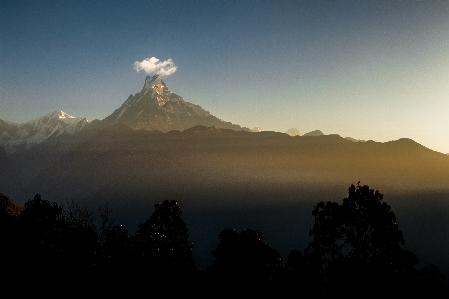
{"x": 15, "y": 136}
{"x": 293, "y": 132}
{"x": 155, "y": 107}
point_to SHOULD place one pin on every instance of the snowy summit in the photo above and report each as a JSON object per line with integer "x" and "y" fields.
{"x": 16, "y": 136}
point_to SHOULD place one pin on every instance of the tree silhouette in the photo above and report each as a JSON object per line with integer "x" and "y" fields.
{"x": 356, "y": 249}
{"x": 163, "y": 240}
{"x": 357, "y": 242}
{"x": 244, "y": 262}
{"x": 117, "y": 243}
{"x": 9, "y": 213}
{"x": 163, "y": 251}
{"x": 41, "y": 240}
{"x": 55, "y": 247}
{"x": 42, "y": 224}
{"x": 430, "y": 283}
{"x": 80, "y": 240}
{"x": 115, "y": 258}
{"x": 9, "y": 239}
{"x": 299, "y": 274}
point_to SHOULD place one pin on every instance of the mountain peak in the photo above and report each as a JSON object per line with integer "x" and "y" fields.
{"x": 16, "y": 136}
{"x": 155, "y": 107}
{"x": 58, "y": 114}
{"x": 293, "y": 132}
{"x": 155, "y": 84}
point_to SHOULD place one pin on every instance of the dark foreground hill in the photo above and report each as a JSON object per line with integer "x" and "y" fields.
{"x": 224, "y": 178}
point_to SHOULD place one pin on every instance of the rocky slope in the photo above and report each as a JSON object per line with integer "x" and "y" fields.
{"x": 22, "y": 136}
{"x": 155, "y": 107}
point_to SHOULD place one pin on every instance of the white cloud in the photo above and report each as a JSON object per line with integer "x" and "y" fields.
{"x": 154, "y": 66}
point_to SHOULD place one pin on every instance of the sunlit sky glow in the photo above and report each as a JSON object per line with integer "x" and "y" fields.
{"x": 366, "y": 69}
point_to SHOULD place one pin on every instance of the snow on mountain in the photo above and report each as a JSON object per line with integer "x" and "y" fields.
{"x": 15, "y": 136}
{"x": 293, "y": 132}
{"x": 354, "y": 140}
{"x": 155, "y": 107}
{"x": 154, "y": 93}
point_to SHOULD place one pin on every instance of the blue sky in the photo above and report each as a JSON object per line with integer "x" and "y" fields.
{"x": 366, "y": 69}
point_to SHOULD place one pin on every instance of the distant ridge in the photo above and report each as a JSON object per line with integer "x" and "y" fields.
{"x": 121, "y": 159}
{"x": 354, "y": 140}
{"x": 314, "y": 133}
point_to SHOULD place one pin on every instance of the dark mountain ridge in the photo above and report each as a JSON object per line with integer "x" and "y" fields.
{"x": 204, "y": 156}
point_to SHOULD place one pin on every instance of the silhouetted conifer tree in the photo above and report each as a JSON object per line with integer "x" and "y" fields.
{"x": 163, "y": 240}
{"x": 9, "y": 239}
{"x": 164, "y": 257}
{"x": 357, "y": 242}
{"x": 244, "y": 263}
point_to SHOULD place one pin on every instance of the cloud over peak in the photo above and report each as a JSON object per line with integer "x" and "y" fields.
{"x": 153, "y": 65}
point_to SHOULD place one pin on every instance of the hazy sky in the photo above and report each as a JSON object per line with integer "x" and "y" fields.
{"x": 366, "y": 69}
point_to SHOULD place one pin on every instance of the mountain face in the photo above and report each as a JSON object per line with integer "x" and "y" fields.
{"x": 17, "y": 136}
{"x": 157, "y": 108}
